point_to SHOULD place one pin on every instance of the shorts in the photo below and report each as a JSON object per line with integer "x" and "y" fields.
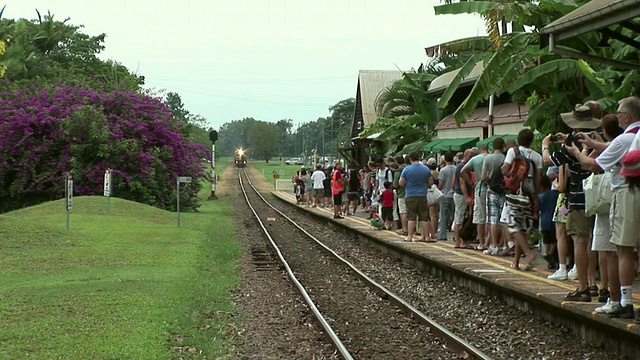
{"x": 602, "y": 234}
{"x": 460, "y": 208}
{"x": 549, "y": 236}
{"x": 480, "y": 208}
{"x": 518, "y": 215}
{"x": 318, "y": 192}
{"x": 417, "y": 206}
{"x": 387, "y": 214}
{"x": 560, "y": 215}
{"x": 625, "y": 227}
{"x": 327, "y": 192}
{"x": 402, "y": 206}
{"x": 579, "y": 224}
{"x": 337, "y": 199}
{"x": 352, "y": 196}
{"x": 495, "y": 203}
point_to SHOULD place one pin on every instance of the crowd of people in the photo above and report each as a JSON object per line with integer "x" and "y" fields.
{"x": 475, "y": 190}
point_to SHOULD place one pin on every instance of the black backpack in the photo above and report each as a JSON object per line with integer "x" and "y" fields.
{"x": 496, "y": 181}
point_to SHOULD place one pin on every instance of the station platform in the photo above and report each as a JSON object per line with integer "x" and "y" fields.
{"x": 528, "y": 290}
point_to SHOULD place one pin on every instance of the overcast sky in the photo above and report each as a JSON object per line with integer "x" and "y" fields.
{"x": 266, "y": 59}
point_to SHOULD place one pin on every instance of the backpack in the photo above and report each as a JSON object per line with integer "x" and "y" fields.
{"x": 521, "y": 176}
{"x": 496, "y": 181}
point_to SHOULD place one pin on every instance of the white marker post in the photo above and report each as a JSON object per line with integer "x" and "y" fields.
{"x": 107, "y": 187}
{"x": 181, "y": 179}
{"x": 68, "y": 194}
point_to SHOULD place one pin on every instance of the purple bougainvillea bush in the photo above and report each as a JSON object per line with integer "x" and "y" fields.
{"x": 47, "y": 132}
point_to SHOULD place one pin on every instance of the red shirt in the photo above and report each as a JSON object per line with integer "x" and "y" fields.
{"x": 387, "y": 198}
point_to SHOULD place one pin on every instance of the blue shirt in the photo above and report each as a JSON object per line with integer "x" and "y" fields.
{"x": 547, "y": 203}
{"x": 416, "y": 177}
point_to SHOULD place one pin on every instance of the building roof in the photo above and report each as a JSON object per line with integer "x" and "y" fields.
{"x": 370, "y": 84}
{"x": 502, "y": 114}
{"x": 594, "y": 15}
{"x": 441, "y": 83}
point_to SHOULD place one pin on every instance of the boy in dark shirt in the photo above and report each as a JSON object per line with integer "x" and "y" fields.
{"x": 547, "y": 202}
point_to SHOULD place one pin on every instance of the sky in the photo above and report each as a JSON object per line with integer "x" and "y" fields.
{"x": 266, "y": 59}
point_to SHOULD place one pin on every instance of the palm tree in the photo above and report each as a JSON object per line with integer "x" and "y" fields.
{"x": 516, "y": 64}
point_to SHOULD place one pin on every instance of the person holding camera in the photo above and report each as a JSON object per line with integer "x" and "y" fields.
{"x": 579, "y": 226}
{"x": 625, "y": 224}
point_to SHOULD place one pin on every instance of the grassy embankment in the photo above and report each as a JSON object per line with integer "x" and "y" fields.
{"x": 128, "y": 285}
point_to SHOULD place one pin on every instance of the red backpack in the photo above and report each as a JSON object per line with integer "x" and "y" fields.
{"x": 521, "y": 176}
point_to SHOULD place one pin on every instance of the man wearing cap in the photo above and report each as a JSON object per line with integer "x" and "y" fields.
{"x": 625, "y": 224}
{"x": 480, "y": 192}
{"x": 579, "y": 226}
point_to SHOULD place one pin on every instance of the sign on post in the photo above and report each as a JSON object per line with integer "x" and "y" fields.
{"x": 107, "y": 187}
{"x": 184, "y": 179}
{"x": 68, "y": 194}
{"x": 107, "y": 182}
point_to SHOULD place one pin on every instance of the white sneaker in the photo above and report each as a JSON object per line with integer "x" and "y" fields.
{"x": 606, "y": 308}
{"x": 558, "y": 275}
{"x": 495, "y": 251}
{"x": 488, "y": 251}
{"x": 573, "y": 273}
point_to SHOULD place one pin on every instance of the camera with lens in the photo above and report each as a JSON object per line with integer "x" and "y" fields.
{"x": 553, "y": 138}
{"x": 572, "y": 139}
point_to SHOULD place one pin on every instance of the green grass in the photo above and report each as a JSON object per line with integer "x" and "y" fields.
{"x": 267, "y": 169}
{"x": 128, "y": 285}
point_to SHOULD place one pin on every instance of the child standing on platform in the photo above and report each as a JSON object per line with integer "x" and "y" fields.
{"x": 387, "y": 204}
{"x": 547, "y": 203}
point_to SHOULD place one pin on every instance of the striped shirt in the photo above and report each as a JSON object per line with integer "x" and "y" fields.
{"x": 576, "y": 175}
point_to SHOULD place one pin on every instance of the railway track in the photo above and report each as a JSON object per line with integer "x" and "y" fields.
{"x": 360, "y": 317}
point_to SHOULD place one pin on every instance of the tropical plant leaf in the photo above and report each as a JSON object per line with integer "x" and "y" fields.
{"x": 546, "y": 110}
{"x": 551, "y": 67}
{"x": 464, "y": 72}
{"x": 465, "y": 7}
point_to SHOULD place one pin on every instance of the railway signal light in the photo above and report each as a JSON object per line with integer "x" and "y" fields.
{"x": 213, "y": 136}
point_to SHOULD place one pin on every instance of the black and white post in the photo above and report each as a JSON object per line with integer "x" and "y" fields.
{"x": 213, "y": 136}
{"x": 107, "y": 187}
{"x": 181, "y": 179}
{"x": 68, "y": 194}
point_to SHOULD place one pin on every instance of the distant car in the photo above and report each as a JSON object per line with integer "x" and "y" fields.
{"x": 294, "y": 161}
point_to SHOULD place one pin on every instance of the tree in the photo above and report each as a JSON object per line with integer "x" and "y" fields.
{"x": 264, "y": 139}
{"x": 75, "y": 129}
{"x": 516, "y": 65}
{"x": 55, "y": 52}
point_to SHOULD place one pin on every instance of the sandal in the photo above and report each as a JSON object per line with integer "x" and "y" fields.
{"x": 400, "y": 232}
{"x": 407, "y": 240}
{"x": 421, "y": 240}
{"x": 531, "y": 260}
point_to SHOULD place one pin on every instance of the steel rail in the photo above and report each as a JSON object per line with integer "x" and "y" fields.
{"x": 456, "y": 343}
{"x": 331, "y": 334}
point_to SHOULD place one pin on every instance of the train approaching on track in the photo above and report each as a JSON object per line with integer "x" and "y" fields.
{"x": 240, "y": 158}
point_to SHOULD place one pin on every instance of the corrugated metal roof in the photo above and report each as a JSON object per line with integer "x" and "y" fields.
{"x": 442, "y": 82}
{"x": 370, "y": 84}
{"x": 502, "y": 114}
{"x": 594, "y": 15}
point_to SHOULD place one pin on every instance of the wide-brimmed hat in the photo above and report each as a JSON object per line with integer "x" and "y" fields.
{"x": 631, "y": 164}
{"x": 580, "y": 118}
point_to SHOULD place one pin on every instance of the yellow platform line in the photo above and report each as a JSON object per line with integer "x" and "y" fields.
{"x": 447, "y": 247}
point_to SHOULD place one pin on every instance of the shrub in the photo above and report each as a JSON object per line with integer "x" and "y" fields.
{"x": 46, "y": 132}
